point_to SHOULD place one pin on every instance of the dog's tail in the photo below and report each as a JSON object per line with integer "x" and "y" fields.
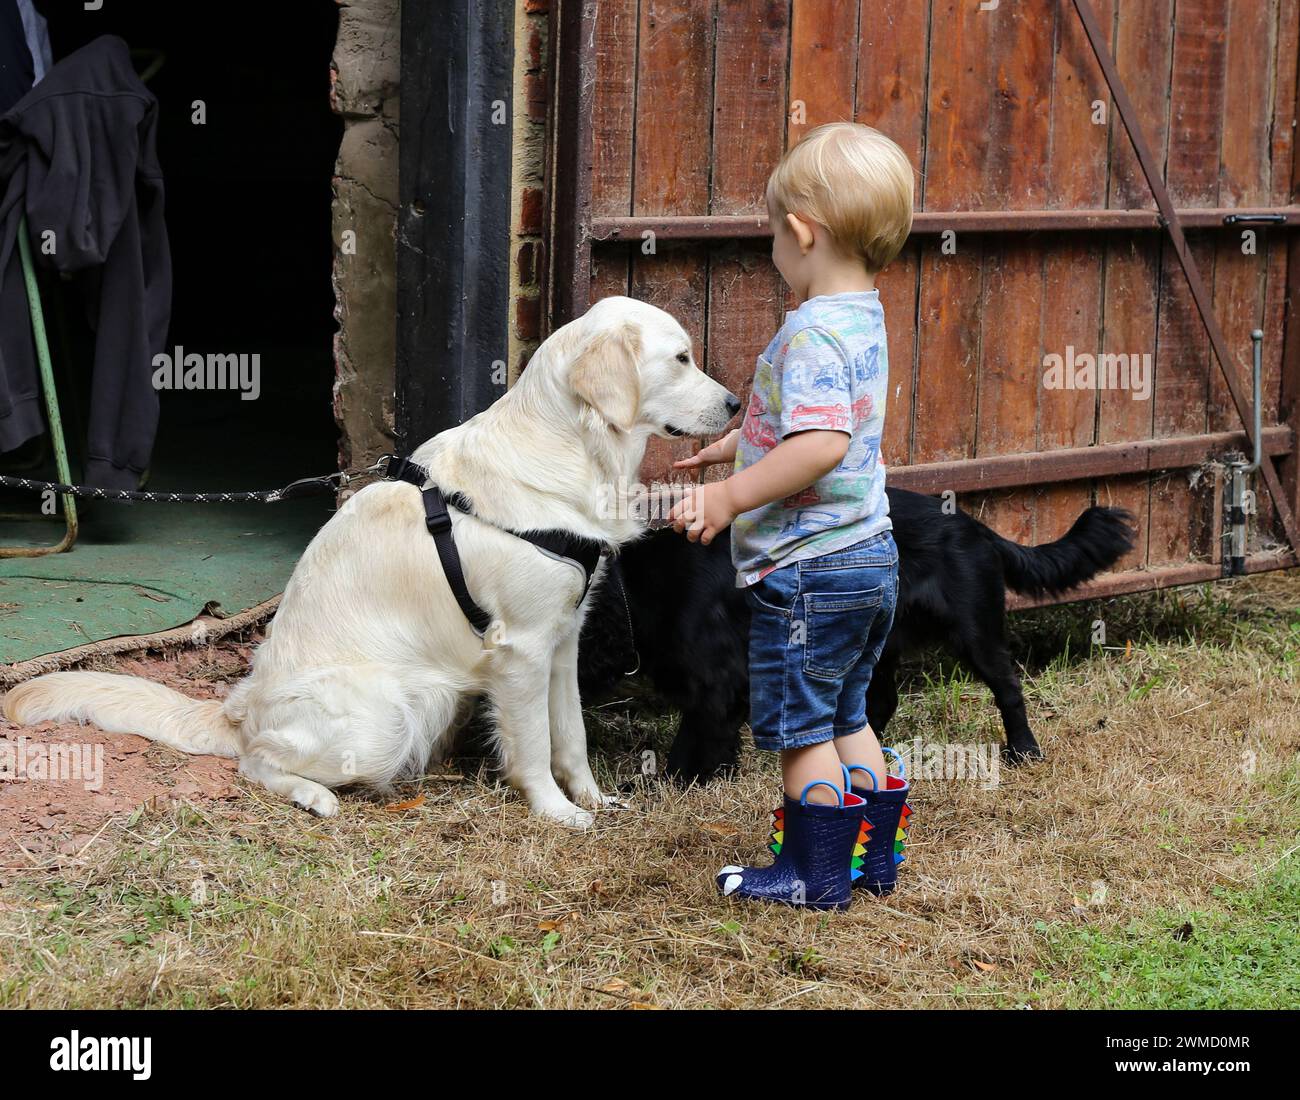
{"x": 1098, "y": 539}
{"x": 125, "y": 704}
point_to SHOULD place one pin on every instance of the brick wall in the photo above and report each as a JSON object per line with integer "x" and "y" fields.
{"x": 529, "y": 154}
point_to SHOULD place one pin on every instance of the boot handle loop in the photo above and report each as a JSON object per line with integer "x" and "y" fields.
{"x": 839, "y": 794}
{"x": 850, "y": 768}
{"x": 902, "y": 768}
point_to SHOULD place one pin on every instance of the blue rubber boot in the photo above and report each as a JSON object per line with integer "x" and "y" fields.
{"x": 887, "y": 815}
{"x": 813, "y": 846}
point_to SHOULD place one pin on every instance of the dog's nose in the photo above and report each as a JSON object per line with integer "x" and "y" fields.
{"x": 733, "y": 404}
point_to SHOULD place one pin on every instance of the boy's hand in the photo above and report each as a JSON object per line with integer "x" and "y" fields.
{"x": 703, "y": 512}
{"x": 723, "y": 450}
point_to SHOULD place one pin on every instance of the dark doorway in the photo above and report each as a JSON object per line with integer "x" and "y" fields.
{"x": 248, "y": 197}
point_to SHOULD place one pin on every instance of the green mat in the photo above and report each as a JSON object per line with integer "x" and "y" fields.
{"x": 146, "y": 567}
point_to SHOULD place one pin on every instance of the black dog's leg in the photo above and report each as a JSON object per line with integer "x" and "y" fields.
{"x": 705, "y": 748}
{"x": 989, "y": 658}
{"x": 882, "y": 695}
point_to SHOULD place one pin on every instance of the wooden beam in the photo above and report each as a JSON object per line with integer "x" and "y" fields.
{"x": 566, "y": 280}
{"x": 934, "y": 222}
{"x": 971, "y": 475}
{"x": 1151, "y": 580}
{"x": 453, "y": 218}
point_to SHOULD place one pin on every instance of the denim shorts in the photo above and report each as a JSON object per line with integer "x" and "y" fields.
{"x": 817, "y": 629}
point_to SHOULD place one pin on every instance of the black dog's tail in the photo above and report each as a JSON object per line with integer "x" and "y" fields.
{"x": 1098, "y": 539}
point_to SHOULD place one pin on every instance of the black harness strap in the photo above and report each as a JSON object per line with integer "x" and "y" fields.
{"x": 574, "y": 549}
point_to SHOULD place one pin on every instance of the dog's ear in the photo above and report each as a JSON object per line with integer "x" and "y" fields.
{"x": 605, "y": 375}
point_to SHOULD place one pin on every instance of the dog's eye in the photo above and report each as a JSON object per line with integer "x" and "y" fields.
{"x": 683, "y": 357}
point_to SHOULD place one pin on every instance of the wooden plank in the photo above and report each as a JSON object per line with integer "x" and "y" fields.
{"x": 749, "y": 103}
{"x": 675, "y": 280}
{"x": 1151, "y": 580}
{"x": 610, "y": 271}
{"x": 1081, "y": 463}
{"x": 1010, "y": 370}
{"x": 822, "y": 71}
{"x": 1281, "y": 324}
{"x": 1143, "y": 48}
{"x": 1016, "y": 115}
{"x": 453, "y": 219}
{"x": 951, "y": 271}
{"x": 1241, "y": 268}
{"x": 899, "y": 285}
{"x": 613, "y": 107}
{"x": 671, "y": 158}
{"x": 893, "y": 48}
{"x": 1073, "y": 268}
{"x": 934, "y": 223}
{"x": 673, "y": 98}
{"x": 745, "y": 293}
{"x": 893, "y": 55}
{"x": 948, "y": 353}
{"x": 1182, "y": 389}
{"x": 1245, "y": 176}
{"x": 1286, "y": 36}
{"x": 745, "y": 311}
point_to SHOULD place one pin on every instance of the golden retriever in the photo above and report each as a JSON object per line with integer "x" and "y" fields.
{"x": 370, "y": 661}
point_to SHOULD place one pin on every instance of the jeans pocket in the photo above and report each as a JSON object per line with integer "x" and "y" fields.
{"x": 837, "y": 626}
{"x": 777, "y": 592}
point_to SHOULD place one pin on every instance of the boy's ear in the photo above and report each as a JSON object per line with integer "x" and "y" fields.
{"x": 803, "y": 232}
{"x": 605, "y": 375}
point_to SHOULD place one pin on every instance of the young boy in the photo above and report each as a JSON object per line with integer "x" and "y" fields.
{"x": 811, "y": 535}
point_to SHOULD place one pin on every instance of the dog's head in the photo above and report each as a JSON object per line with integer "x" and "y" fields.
{"x": 633, "y": 367}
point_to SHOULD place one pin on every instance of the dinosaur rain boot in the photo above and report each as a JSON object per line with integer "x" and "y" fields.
{"x": 887, "y": 815}
{"x": 813, "y": 846}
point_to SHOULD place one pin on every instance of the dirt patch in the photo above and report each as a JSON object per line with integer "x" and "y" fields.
{"x": 62, "y": 783}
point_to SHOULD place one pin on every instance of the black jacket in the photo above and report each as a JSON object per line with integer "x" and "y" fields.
{"x": 77, "y": 155}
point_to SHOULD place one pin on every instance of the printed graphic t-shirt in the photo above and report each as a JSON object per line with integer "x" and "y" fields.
{"x": 827, "y": 369}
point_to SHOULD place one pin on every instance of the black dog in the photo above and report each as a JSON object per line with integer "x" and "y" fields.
{"x": 674, "y": 606}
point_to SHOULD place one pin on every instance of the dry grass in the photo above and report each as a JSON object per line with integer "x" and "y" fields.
{"x": 1171, "y": 773}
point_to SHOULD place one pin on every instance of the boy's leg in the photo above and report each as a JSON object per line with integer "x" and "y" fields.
{"x": 818, "y": 763}
{"x": 861, "y": 748}
{"x": 817, "y": 827}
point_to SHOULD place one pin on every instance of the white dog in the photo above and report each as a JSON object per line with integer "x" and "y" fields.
{"x": 371, "y": 661}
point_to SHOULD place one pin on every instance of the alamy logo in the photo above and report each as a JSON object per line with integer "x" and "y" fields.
{"x": 85, "y": 1052}
{"x": 181, "y": 370}
{"x": 26, "y": 761}
{"x": 1105, "y": 371}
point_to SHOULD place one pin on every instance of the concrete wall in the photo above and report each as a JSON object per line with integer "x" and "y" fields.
{"x": 364, "y": 91}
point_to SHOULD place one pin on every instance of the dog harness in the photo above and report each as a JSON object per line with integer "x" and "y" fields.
{"x": 576, "y": 550}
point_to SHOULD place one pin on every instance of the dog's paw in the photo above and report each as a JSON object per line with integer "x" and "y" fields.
{"x": 1015, "y": 755}
{"x": 316, "y": 800}
{"x": 567, "y": 814}
{"x": 588, "y": 795}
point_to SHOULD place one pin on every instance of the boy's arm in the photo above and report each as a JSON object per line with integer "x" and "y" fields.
{"x": 721, "y": 450}
{"x": 793, "y": 465}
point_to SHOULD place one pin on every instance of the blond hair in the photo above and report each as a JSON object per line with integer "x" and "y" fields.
{"x": 854, "y": 181}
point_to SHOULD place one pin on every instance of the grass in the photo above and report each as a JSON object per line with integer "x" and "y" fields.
{"x": 1169, "y": 800}
{"x": 1243, "y": 953}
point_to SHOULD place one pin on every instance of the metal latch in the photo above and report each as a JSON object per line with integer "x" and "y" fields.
{"x": 1241, "y": 498}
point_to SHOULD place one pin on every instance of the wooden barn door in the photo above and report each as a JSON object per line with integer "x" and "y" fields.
{"x": 1036, "y": 234}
